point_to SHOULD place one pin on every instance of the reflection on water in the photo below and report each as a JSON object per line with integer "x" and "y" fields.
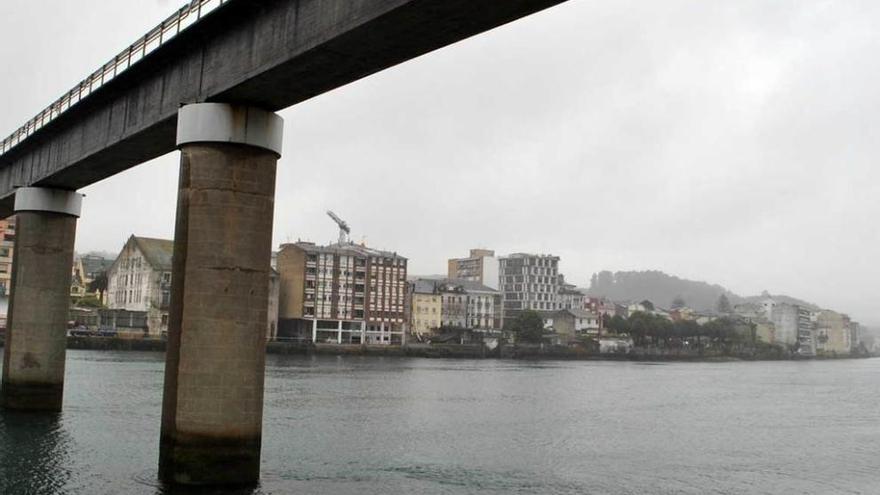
{"x": 34, "y": 459}
{"x": 373, "y": 425}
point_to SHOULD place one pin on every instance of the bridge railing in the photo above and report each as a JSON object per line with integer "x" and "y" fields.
{"x": 186, "y": 16}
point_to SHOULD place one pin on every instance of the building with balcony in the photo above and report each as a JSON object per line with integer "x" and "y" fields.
{"x": 481, "y": 267}
{"x": 793, "y": 327}
{"x": 529, "y": 281}
{"x": 343, "y": 293}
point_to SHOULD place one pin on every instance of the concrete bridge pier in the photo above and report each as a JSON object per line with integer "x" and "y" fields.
{"x": 36, "y": 334}
{"x": 212, "y": 409}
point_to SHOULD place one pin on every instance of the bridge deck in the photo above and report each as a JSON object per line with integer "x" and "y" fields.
{"x": 271, "y": 53}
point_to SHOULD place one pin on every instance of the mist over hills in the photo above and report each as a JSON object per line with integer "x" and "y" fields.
{"x": 661, "y": 289}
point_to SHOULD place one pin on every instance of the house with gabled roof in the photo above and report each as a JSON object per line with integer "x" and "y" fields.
{"x": 140, "y": 280}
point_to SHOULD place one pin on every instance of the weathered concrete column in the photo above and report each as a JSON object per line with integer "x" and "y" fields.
{"x": 212, "y": 409}
{"x": 36, "y": 334}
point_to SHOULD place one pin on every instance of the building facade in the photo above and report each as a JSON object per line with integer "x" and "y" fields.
{"x": 140, "y": 281}
{"x": 7, "y": 248}
{"x": 571, "y": 298}
{"x": 529, "y": 282}
{"x": 833, "y": 334}
{"x": 481, "y": 267}
{"x": 568, "y": 324}
{"x": 793, "y": 327}
{"x": 343, "y": 293}
{"x": 425, "y": 308}
{"x": 451, "y": 304}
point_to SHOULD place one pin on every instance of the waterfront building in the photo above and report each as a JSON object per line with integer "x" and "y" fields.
{"x": 833, "y": 335}
{"x": 7, "y": 249}
{"x": 139, "y": 289}
{"x": 425, "y": 307}
{"x": 793, "y": 327}
{"x": 568, "y": 324}
{"x": 341, "y": 293}
{"x": 139, "y": 280}
{"x": 481, "y": 267}
{"x": 529, "y": 281}
{"x": 454, "y": 304}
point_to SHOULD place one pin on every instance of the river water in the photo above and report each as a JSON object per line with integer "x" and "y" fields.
{"x": 372, "y": 425}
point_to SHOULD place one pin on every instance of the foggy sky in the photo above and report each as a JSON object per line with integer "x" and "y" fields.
{"x": 732, "y": 142}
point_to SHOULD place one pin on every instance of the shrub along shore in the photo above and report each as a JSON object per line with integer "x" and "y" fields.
{"x": 471, "y": 351}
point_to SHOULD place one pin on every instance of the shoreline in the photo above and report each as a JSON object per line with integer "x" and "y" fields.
{"x": 455, "y": 351}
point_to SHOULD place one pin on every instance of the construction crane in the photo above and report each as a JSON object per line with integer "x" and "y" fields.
{"x": 344, "y": 229}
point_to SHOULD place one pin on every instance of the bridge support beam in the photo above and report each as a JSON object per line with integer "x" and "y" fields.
{"x": 212, "y": 409}
{"x": 36, "y": 335}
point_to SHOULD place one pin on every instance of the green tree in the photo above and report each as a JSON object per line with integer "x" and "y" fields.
{"x": 98, "y": 285}
{"x": 89, "y": 302}
{"x": 617, "y": 324}
{"x": 528, "y": 326}
{"x": 678, "y": 302}
{"x": 723, "y": 305}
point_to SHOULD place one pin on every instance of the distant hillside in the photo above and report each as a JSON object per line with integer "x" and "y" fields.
{"x": 662, "y": 289}
{"x": 658, "y": 288}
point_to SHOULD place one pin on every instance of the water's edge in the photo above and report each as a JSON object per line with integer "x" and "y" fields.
{"x": 465, "y": 351}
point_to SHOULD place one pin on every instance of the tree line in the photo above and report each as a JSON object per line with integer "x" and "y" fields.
{"x": 649, "y": 329}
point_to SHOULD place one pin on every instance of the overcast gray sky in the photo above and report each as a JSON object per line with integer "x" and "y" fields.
{"x": 732, "y": 142}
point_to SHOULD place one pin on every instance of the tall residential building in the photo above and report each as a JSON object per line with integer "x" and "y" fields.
{"x": 793, "y": 327}
{"x": 140, "y": 280}
{"x": 481, "y": 267}
{"x": 341, "y": 293}
{"x": 7, "y": 245}
{"x": 529, "y": 281}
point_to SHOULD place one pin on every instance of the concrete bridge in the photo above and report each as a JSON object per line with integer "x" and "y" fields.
{"x": 206, "y": 81}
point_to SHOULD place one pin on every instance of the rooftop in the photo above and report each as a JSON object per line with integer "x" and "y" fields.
{"x": 337, "y": 248}
{"x": 157, "y": 251}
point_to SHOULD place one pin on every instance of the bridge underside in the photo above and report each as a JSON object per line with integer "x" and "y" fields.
{"x": 270, "y": 54}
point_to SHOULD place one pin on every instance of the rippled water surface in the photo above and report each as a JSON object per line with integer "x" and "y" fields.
{"x": 379, "y": 425}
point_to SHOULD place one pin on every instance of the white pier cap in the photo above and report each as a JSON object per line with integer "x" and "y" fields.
{"x": 49, "y": 200}
{"x": 226, "y": 123}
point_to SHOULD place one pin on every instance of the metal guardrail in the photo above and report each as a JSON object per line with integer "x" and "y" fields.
{"x": 185, "y": 17}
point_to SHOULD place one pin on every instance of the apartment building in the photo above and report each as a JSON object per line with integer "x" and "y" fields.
{"x": 529, "y": 281}
{"x": 343, "y": 293}
{"x": 793, "y": 327}
{"x": 481, "y": 267}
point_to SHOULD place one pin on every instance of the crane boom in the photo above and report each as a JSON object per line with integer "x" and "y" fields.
{"x": 344, "y": 229}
